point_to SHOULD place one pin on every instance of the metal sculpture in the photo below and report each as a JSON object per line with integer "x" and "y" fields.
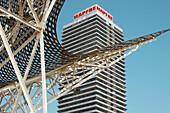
{"x": 32, "y": 61}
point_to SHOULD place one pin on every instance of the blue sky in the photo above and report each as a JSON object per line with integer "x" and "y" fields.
{"x": 148, "y": 69}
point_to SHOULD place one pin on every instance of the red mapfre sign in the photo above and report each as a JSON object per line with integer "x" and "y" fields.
{"x": 91, "y": 9}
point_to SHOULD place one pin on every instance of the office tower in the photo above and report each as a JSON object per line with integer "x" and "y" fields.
{"x": 92, "y": 29}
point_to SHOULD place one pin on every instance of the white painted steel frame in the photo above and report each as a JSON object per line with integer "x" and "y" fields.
{"x": 26, "y": 74}
{"x": 11, "y": 55}
{"x": 17, "y": 71}
{"x": 20, "y": 19}
{"x": 46, "y": 82}
{"x": 44, "y": 95}
{"x": 86, "y": 63}
{"x": 94, "y": 70}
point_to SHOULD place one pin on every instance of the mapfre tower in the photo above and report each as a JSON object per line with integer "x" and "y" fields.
{"x": 92, "y": 29}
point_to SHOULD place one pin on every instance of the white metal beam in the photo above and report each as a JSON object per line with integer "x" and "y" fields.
{"x": 26, "y": 74}
{"x": 47, "y": 13}
{"x": 12, "y": 95}
{"x": 80, "y": 80}
{"x": 33, "y": 12}
{"x": 44, "y": 95}
{"x": 21, "y": 47}
{"x": 20, "y": 19}
{"x": 16, "y": 69}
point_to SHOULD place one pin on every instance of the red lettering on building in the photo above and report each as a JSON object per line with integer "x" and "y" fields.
{"x": 102, "y": 11}
{"x": 94, "y": 7}
{"x": 110, "y": 17}
{"x": 91, "y": 9}
{"x": 86, "y": 11}
{"x": 98, "y": 8}
{"x": 76, "y": 16}
{"x": 83, "y": 12}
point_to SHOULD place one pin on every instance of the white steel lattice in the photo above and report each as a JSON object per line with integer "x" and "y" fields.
{"x": 33, "y": 62}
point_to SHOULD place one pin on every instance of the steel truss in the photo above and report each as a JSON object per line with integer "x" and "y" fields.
{"x": 33, "y": 63}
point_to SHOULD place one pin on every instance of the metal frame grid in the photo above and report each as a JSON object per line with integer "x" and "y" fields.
{"x": 33, "y": 63}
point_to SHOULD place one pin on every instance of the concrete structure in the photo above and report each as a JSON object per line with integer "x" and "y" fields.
{"x": 93, "y": 29}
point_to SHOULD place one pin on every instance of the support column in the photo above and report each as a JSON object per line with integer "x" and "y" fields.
{"x": 44, "y": 95}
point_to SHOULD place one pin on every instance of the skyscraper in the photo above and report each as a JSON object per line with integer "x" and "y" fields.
{"x": 92, "y": 29}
